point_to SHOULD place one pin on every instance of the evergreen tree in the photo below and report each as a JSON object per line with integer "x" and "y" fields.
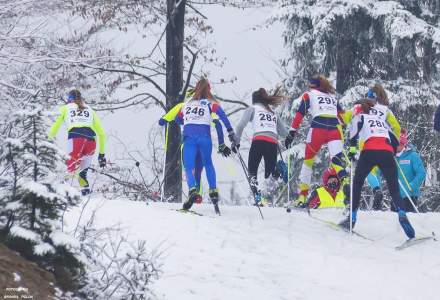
{"x": 34, "y": 197}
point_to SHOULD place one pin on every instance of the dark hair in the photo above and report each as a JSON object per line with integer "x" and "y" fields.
{"x": 261, "y": 96}
{"x": 367, "y": 104}
{"x": 77, "y": 98}
{"x": 323, "y": 85}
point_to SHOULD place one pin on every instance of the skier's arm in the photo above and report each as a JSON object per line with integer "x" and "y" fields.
{"x": 419, "y": 170}
{"x": 215, "y": 108}
{"x": 97, "y": 128}
{"x": 394, "y": 124}
{"x": 247, "y": 116}
{"x": 171, "y": 115}
{"x": 356, "y": 125}
{"x": 219, "y": 129}
{"x": 341, "y": 113}
{"x": 281, "y": 128}
{"x": 57, "y": 124}
{"x": 301, "y": 111}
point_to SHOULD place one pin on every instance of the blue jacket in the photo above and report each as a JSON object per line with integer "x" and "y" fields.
{"x": 412, "y": 167}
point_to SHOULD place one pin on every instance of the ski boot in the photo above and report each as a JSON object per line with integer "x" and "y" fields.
{"x": 345, "y": 224}
{"x": 192, "y": 195}
{"x": 300, "y": 202}
{"x": 406, "y": 225}
{"x": 85, "y": 191}
{"x": 213, "y": 195}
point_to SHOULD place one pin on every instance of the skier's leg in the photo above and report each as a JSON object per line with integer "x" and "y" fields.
{"x": 74, "y": 148}
{"x": 363, "y": 167}
{"x": 204, "y": 145}
{"x": 387, "y": 164}
{"x": 86, "y": 160}
{"x": 270, "y": 161}
{"x": 198, "y": 176}
{"x": 314, "y": 142}
{"x": 189, "y": 154}
{"x": 254, "y": 159}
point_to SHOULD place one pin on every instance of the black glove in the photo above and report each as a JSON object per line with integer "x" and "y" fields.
{"x": 102, "y": 161}
{"x": 289, "y": 138}
{"x": 224, "y": 150}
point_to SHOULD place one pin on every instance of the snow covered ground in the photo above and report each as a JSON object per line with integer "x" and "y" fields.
{"x": 285, "y": 256}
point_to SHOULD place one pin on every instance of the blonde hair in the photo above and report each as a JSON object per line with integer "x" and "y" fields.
{"x": 382, "y": 97}
{"x": 203, "y": 90}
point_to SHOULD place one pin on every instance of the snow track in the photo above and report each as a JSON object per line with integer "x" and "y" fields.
{"x": 286, "y": 256}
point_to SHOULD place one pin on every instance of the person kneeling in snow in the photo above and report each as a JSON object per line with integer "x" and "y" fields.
{"x": 329, "y": 194}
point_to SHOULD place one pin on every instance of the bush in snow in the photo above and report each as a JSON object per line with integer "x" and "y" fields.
{"x": 33, "y": 197}
{"x": 116, "y": 268}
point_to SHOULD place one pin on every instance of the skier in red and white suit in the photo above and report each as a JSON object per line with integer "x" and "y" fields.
{"x": 327, "y": 116}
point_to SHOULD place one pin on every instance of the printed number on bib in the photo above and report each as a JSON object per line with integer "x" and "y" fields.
{"x": 195, "y": 111}
{"x": 376, "y": 112}
{"x": 376, "y": 123}
{"x": 267, "y": 117}
{"x": 326, "y": 100}
{"x": 79, "y": 113}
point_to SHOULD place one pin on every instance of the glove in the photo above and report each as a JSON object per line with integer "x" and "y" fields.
{"x": 289, "y": 138}
{"x": 352, "y": 153}
{"x": 224, "y": 150}
{"x": 102, "y": 161}
{"x": 162, "y": 122}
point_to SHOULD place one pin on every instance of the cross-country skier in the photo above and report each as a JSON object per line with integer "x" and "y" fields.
{"x": 325, "y": 128}
{"x": 329, "y": 194}
{"x": 83, "y": 125}
{"x": 267, "y": 127}
{"x": 377, "y": 150}
{"x": 411, "y": 173}
{"x": 222, "y": 148}
{"x": 196, "y": 118}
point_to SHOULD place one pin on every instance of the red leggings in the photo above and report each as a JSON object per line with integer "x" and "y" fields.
{"x": 81, "y": 151}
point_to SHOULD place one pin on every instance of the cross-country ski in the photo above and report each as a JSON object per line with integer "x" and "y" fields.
{"x": 221, "y": 149}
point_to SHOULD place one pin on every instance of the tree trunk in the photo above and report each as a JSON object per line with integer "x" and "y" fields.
{"x": 174, "y": 83}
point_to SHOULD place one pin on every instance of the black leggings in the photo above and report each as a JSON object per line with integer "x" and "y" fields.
{"x": 387, "y": 165}
{"x": 262, "y": 149}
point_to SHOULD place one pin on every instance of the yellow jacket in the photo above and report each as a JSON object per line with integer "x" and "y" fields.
{"x": 75, "y": 118}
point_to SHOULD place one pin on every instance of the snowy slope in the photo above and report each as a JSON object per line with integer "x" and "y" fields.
{"x": 285, "y": 256}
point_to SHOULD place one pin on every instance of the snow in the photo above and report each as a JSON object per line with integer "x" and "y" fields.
{"x": 60, "y": 238}
{"x": 284, "y": 256}
{"x": 17, "y": 277}
{"x": 43, "y": 248}
{"x": 24, "y": 233}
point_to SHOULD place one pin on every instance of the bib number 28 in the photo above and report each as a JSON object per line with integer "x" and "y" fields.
{"x": 267, "y": 117}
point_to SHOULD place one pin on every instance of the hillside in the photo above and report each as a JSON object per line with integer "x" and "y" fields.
{"x": 285, "y": 256}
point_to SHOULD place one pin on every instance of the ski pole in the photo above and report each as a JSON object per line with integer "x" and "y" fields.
{"x": 351, "y": 198}
{"x": 403, "y": 174}
{"x": 164, "y": 164}
{"x": 245, "y": 170}
{"x": 409, "y": 197}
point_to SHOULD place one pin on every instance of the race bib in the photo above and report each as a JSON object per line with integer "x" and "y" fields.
{"x": 197, "y": 112}
{"x": 374, "y": 127}
{"x": 322, "y": 104}
{"x": 264, "y": 120}
{"x": 79, "y": 117}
